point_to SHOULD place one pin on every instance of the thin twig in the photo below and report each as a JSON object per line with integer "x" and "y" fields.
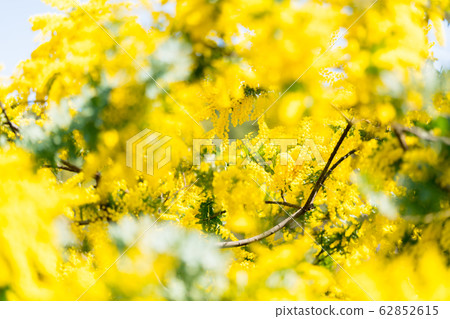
{"x": 318, "y": 255}
{"x": 65, "y": 168}
{"x": 300, "y": 211}
{"x": 323, "y": 175}
{"x": 400, "y": 136}
{"x": 71, "y": 166}
{"x": 13, "y": 126}
{"x": 97, "y": 177}
{"x": 341, "y": 113}
{"x": 339, "y": 162}
{"x": 424, "y": 135}
{"x": 283, "y": 203}
{"x": 68, "y": 166}
{"x": 282, "y": 196}
{"x": 90, "y": 221}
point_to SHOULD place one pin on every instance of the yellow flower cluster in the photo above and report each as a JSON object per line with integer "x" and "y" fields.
{"x": 71, "y": 211}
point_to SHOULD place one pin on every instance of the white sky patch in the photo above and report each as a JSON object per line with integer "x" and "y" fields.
{"x": 442, "y": 53}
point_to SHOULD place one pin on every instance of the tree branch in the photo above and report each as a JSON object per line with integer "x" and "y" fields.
{"x": 283, "y": 203}
{"x": 62, "y": 167}
{"x": 341, "y": 113}
{"x": 13, "y": 126}
{"x": 400, "y": 136}
{"x": 68, "y": 166}
{"x": 71, "y": 166}
{"x": 89, "y": 221}
{"x": 300, "y": 211}
{"x": 339, "y": 162}
{"x": 425, "y": 135}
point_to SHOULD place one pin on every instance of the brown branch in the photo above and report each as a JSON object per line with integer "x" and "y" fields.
{"x": 324, "y": 175}
{"x": 316, "y": 261}
{"x": 300, "y": 211}
{"x": 267, "y": 233}
{"x": 68, "y": 166}
{"x": 341, "y": 113}
{"x": 83, "y": 222}
{"x": 13, "y": 126}
{"x": 339, "y": 162}
{"x": 400, "y": 136}
{"x": 424, "y": 134}
{"x": 90, "y": 221}
{"x": 97, "y": 177}
{"x": 283, "y": 203}
{"x": 62, "y": 167}
{"x": 71, "y": 166}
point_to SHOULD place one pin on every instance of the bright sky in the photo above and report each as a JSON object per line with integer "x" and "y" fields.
{"x": 17, "y": 39}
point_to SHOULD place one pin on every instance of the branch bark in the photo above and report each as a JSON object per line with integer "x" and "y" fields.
{"x": 71, "y": 167}
{"x": 400, "y": 136}
{"x": 282, "y": 203}
{"x": 425, "y": 135}
{"x": 65, "y": 168}
{"x": 67, "y": 165}
{"x": 302, "y": 210}
{"x": 88, "y": 221}
{"x": 13, "y": 126}
{"x": 339, "y": 162}
{"x": 75, "y": 169}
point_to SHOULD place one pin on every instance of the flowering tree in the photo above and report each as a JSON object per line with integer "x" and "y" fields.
{"x": 331, "y": 178}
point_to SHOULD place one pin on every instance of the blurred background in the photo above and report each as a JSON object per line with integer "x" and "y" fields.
{"x": 17, "y": 40}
